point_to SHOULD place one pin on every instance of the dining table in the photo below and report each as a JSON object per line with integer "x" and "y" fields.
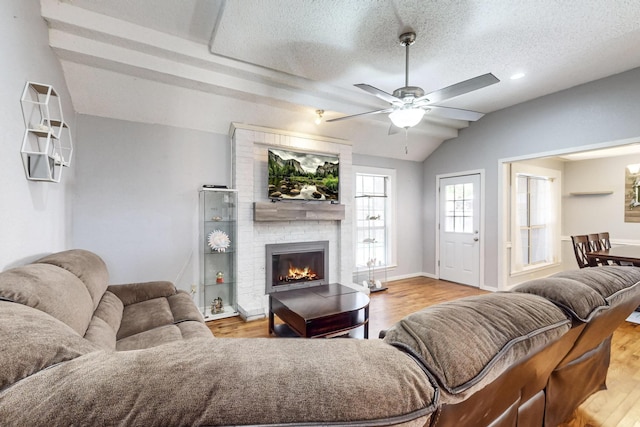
{"x": 617, "y": 254}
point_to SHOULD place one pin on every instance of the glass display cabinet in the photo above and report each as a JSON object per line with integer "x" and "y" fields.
{"x": 218, "y": 255}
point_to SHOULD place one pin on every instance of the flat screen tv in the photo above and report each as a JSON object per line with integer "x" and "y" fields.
{"x": 295, "y": 175}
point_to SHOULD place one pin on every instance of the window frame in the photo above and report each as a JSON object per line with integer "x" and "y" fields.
{"x": 554, "y": 176}
{"x": 531, "y": 227}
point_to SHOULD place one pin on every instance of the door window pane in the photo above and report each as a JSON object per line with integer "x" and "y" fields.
{"x": 458, "y": 212}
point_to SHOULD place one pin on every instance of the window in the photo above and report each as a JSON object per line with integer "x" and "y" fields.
{"x": 373, "y": 212}
{"x": 533, "y": 212}
{"x": 535, "y": 209}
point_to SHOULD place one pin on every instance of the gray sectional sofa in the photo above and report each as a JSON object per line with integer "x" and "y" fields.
{"x": 78, "y": 351}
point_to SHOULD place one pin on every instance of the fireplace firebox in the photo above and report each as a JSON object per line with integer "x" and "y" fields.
{"x": 297, "y": 265}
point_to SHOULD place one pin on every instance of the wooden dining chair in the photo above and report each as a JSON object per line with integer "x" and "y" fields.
{"x": 595, "y": 244}
{"x": 605, "y": 243}
{"x": 580, "y": 249}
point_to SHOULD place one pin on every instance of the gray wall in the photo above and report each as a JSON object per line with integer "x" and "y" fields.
{"x": 593, "y": 214}
{"x": 593, "y": 113}
{"x": 136, "y": 201}
{"x": 409, "y": 211}
{"x": 596, "y": 213}
{"x": 35, "y": 217}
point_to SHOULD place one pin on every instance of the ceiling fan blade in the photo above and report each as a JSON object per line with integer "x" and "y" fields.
{"x": 460, "y": 88}
{"x": 454, "y": 113}
{"x": 380, "y": 94}
{"x": 386, "y": 110}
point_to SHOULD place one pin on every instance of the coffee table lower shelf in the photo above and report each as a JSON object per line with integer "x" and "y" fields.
{"x": 282, "y": 330}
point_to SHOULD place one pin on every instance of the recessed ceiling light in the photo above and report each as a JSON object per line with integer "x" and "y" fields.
{"x": 517, "y": 76}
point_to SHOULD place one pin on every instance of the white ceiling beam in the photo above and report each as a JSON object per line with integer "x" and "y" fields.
{"x": 88, "y": 38}
{"x": 87, "y": 51}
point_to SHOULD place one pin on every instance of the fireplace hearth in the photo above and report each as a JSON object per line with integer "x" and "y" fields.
{"x": 296, "y": 265}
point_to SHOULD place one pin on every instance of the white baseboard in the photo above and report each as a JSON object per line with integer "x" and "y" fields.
{"x": 411, "y": 276}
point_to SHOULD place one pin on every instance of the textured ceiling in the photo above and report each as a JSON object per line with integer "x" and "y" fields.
{"x": 312, "y": 52}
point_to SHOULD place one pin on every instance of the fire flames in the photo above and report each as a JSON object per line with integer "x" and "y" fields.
{"x": 299, "y": 274}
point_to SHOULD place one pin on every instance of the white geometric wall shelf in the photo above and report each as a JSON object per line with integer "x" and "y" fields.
{"x": 46, "y": 145}
{"x": 41, "y": 156}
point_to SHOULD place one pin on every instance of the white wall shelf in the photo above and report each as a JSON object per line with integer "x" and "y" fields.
{"x": 591, "y": 193}
{"x": 46, "y": 145}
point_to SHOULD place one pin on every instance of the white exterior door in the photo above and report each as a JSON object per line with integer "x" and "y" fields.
{"x": 460, "y": 229}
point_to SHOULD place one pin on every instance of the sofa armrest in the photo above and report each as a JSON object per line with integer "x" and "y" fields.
{"x": 133, "y": 293}
{"x": 229, "y": 381}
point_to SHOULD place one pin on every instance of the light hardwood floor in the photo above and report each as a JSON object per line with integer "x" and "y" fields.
{"x": 616, "y": 407}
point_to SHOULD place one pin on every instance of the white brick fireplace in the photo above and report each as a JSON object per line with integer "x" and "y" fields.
{"x": 250, "y": 178}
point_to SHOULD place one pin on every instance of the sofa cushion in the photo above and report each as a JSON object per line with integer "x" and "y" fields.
{"x": 613, "y": 283}
{"x": 576, "y": 298}
{"x": 50, "y": 289}
{"x": 149, "y": 338}
{"x": 133, "y": 293}
{"x": 32, "y": 341}
{"x": 164, "y": 334}
{"x": 144, "y": 316}
{"x": 151, "y": 311}
{"x": 100, "y": 333}
{"x": 191, "y": 329}
{"x": 469, "y": 342}
{"x": 183, "y": 308}
{"x": 106, "y": 321}
{"x": 86, "y": 266}
{"x": 230, "y": 381}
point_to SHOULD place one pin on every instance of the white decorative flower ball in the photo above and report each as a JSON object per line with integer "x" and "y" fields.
{"x": 218, "y": 240}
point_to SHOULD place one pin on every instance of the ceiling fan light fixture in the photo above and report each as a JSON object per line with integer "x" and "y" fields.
{"x": 410, "y": 103}
{"x": 634, "y": 169}
{"x": 318, "y": 118}
{"x": 407, "y": 117}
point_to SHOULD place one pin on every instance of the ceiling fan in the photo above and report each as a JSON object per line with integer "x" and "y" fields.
{"x": 410, "y": 103}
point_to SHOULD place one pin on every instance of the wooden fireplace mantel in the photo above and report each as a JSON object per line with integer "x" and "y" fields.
{"x": 297, "y": 211}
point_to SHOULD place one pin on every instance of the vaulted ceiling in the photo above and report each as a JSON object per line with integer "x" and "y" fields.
{"x": 292, "y": 57}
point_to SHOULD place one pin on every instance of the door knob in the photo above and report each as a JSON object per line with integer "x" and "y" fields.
{"x": 475, "y": 239}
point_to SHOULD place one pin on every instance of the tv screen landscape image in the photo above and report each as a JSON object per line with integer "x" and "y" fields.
{"x": 297, "y": 175}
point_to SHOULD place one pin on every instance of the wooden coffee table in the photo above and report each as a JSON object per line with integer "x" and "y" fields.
{"x": 320, "y": 311}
